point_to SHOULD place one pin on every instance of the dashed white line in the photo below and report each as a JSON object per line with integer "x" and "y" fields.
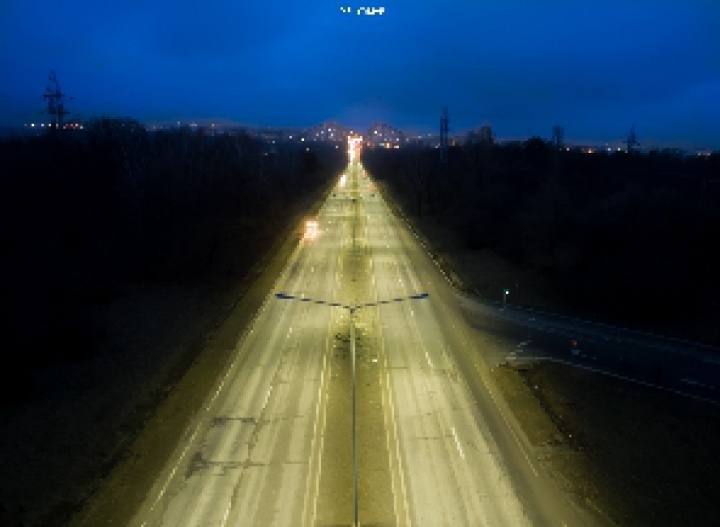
{"x": 267, "y": 397}
{"x": 693, "y": 382}
{"x": 457, "y": 442}
{"x": 225, "y": 516}
{"x": 430, "y": 362}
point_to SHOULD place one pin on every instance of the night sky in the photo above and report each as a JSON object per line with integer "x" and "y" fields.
{"x": 595, "y": 67}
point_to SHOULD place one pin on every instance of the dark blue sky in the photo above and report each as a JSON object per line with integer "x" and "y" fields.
{"x": 595, "y": 67}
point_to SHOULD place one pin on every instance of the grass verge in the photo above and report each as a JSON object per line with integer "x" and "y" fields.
{"x": 640, "y": 456}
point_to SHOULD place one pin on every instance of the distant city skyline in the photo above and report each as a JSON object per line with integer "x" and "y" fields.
{"x": 455, "y": 135}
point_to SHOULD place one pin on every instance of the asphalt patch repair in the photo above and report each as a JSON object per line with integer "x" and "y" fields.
{"x": 638, "y": 455}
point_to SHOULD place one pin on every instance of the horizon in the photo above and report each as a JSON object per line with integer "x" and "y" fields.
{"x": 572, "y": 142}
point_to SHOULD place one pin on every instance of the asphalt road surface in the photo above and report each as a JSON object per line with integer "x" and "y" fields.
{"x": 685, "y": 368}
{"x": 434, "y": 444}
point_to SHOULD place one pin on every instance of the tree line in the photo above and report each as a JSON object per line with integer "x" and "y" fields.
{"x": 630, "y": 236}
{"x": 82, "y": 211}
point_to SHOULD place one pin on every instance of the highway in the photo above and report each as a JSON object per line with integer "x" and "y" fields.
{"x": 434, "y": 443}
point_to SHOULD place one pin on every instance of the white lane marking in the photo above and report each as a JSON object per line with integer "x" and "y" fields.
{"x": 630, "y": 379}
{"x": 391, "y": 430}
{"x": 711, "y": 360}
{"x": 316, "y": 451}
{"x": 693, "y": 382}
{"x": 401, "y": 469}
{"x": 512, "y": 431}
{"x": 267, "y": 398}
{"x": 427, "y": 355}
{"x": 457, "y": 442}
{"x": 225, "y": 516}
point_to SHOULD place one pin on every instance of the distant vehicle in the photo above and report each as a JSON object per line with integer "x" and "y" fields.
{"x": 312, "y": 229}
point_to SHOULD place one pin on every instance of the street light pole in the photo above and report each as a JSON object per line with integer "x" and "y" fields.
{"x": 355, "y": 195}
{"x": 356, "y": 499}
{"x": 351, "y": 310}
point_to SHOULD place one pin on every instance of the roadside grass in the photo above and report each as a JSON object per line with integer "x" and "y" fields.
{"x": 641, "y": 456}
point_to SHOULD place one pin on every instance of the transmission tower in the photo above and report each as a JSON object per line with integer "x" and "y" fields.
{"x": 55, "y": 105}
{"x": 444, "y": 120}
{"x": 558, "y": 137}
{"x": 558, "y": 141}
{"x": 632, "y": 141}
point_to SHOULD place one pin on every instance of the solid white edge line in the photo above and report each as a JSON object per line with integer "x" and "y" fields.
{"x": 512, "y": 431}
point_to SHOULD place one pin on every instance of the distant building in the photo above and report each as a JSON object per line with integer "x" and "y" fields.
{"x": 327, "y": 131}
{"x": 484, "y": 135}
{"x": 277, "y": 135}
{"x": 558, "y": 137}
{"x": 384, "y": 136}
{"x": 73, "y": 125}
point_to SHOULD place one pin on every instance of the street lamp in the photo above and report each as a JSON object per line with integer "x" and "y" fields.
{"x": 506, "y": 292}
{"x": 352, "y": 309}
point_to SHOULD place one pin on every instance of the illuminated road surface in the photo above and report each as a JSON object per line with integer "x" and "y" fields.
{"x": 436, "y": 445}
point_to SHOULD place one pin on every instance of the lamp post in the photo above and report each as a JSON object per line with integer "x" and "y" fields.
{"x": 506, "y": 292}
{"x": 355, "y": 196}
{"x": 352, "y": 309}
